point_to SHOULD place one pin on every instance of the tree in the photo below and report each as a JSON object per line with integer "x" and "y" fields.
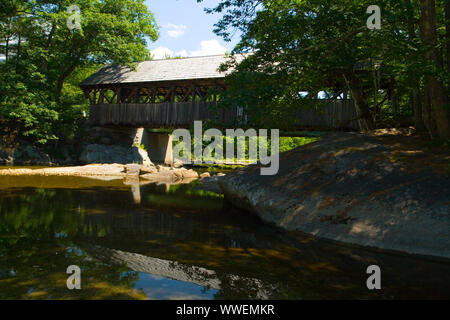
{"x": 416, "y": 97}
{"x": 433, "y": 87}
{"x": 323, "y": 45}
{"x": 41, "y": 52}
{"x": 447, "y": 32}
{"x": 317, "y": 44}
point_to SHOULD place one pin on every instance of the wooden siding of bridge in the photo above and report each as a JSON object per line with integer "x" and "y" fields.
{"x": 169, "y": 114}
{"x": 335, "y": 114}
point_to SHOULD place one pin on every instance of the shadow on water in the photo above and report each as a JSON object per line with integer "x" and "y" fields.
{"x": 178, "y": 242}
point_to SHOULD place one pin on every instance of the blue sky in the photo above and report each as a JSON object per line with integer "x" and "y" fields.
{"x": 185, "y": 29}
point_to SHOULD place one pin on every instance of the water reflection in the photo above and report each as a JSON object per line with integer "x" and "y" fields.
{"x": 178, "y": 242}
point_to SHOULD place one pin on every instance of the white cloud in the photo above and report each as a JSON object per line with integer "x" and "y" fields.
{"x": 209, "y": 47}
{"x": 176, "y": 30}
{"x": 161, "y": 53}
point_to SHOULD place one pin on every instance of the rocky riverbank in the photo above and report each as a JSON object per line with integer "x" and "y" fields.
{"x": 366, "y": 190}
{"x": 151, "y": 173}
{"x": 97, "y": 145}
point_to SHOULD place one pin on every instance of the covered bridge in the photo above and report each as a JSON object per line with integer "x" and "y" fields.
{"x": 174, "y": 93}
{"x": 159, "y": 93}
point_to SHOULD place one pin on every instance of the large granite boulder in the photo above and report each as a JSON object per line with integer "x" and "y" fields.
{"x": 354, "y": 188}
{"x": 25, "y": 154}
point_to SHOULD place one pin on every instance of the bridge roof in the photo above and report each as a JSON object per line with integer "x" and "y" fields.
{"x": 162, "y": 70}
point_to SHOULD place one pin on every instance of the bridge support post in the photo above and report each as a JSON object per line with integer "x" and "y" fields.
{"x": 138, "y": 140}
{"x": 160, "y": 147}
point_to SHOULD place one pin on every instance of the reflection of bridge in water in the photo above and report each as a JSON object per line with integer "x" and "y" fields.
{"x": 231, "y": 252}
{"x": 135, "y": 185}
{"x": 179, "y": 271}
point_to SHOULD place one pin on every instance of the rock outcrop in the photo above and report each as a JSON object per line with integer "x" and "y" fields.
{"x": 170, "y": 174}
{"x": 354, "y": 188}
{"x": 101, "y": 153}
{"x": 27, "y": 154}
{"x": 119, "y": 145}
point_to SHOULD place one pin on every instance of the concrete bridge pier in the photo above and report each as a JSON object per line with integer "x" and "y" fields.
{"x": 159, "y": 147}
{"x": 127, "y": 145}
{"x": 139, "y": 140}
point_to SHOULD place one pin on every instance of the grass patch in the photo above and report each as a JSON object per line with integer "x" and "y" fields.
{"x": 286, "y": 144}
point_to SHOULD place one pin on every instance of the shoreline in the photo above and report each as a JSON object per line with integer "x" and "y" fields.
{"x": 91, "y": 170}
{"x": 129, "y": 174}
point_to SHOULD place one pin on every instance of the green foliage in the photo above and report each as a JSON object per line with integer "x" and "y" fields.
{"x": 321, "y": 45}
{"x": 285, "y": 144}
{"x": 32, "y": 112}
{"x": 289, "y": 143}
{"x": 45, "y": 61}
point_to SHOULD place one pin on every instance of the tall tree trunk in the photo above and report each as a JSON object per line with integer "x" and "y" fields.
{"x": 447, "y": 38}
{"x": 365, "y": 119}
{"x": 447, "y": 33}
{"x": 428, "y": 116}
{"x": 393, "y": 98}
{"x": 375, "y": 74}
{"x": 18, "y": 52}
{"x": 7, "y": 41}
{"x": 62, "y": 77}
{"x": 416, "y": 97}
{"x": 44, "y": 64}
{"x": 433, "y": 86}
{"x": 7, "y": 49}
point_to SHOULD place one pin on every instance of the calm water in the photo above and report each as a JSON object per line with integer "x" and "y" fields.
{"x": 177, "y": 242}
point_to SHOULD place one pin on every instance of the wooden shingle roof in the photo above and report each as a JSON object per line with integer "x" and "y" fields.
{"x": 162, "y": 70}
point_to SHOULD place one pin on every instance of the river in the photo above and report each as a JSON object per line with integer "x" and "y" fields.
{"x": 179, "y": 242}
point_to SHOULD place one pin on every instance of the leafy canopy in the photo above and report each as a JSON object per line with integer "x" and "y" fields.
{"x": 39, "y": 92}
